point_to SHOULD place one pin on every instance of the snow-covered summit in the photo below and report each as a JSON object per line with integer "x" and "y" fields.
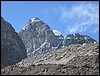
{"x": 35, "y": 19}
{"x": 56, "y": 32}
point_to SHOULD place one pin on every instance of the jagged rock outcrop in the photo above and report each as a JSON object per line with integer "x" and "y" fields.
{"x": 77, "y": 39}
{"x": 38, "y": 37}
{"x": 12, "y": 47}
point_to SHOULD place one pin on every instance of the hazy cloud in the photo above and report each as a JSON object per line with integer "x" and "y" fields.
{"x": 81, "y": 18}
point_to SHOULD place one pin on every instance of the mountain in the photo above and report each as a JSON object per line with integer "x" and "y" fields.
{"x": 38, "y": 37}
{"x": 77, "y": 39}
{"x": 49, "y": 53}
{"x": 12, "y": 47}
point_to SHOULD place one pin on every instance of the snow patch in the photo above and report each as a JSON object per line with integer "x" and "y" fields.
{"x": 86, "y": 38}
{"x": 94, "y": 42}
{"x": 35, "y": 19}
{"x": 56, "y": 32}
{"x": 84, "y": 43}
{"x": 23, "y": 28}
{"x": 68, "y": 37}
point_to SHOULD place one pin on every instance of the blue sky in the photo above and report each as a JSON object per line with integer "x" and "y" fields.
{"x": 66, "y": 16}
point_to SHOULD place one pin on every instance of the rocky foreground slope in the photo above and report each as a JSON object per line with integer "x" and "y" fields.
{"x": 12, "y": 47}
{"x": 72, "y": 60}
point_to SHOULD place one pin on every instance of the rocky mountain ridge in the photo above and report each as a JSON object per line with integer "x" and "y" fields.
{"x": 77, "y": 39}
{"x": 39, "y": 38}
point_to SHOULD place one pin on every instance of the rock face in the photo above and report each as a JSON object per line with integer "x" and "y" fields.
{"x": 60, "y": 38}
{"x": 38, "y": 37}
{"x": 77, "y": 39}
{"x": 12, "y": 47}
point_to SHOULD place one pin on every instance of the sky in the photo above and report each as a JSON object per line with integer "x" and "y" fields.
{"x": 68, "y": 17}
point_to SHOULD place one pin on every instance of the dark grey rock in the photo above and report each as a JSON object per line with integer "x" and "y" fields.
{"x": 77, "y": 39}
{"x": 12, "y": 47}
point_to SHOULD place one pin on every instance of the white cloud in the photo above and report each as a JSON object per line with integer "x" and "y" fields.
{"x": 81, "y": 18}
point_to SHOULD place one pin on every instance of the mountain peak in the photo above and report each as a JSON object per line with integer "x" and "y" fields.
{"x": 38, "y": 36}
{"x": 35, "y": 19}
